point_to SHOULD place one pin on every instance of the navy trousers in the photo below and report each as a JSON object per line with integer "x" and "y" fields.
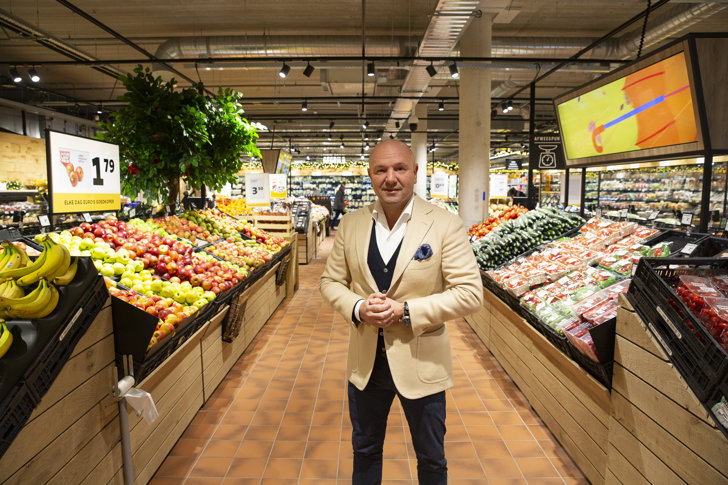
{"x": 369, "y": 409}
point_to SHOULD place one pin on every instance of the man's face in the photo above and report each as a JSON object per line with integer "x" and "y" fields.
{"x": 393, "y": 173}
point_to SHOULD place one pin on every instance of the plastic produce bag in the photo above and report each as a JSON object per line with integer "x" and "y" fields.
{"x": 142, "y": 403}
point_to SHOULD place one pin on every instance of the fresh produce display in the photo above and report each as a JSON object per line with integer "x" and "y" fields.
{"x": 185, "y": 228}
{"x": 234, "y": 207}
{"x": 6, "y": 338}
{"x": 247, "y": 254}
{"x": 706, "y": 298}
{"x": 216, "y": 222}
{"x": 485, "y": 227}
{"x": 319, "y": 212}
{"x": 514, "y": 237}
{"x": 13, "y": 184}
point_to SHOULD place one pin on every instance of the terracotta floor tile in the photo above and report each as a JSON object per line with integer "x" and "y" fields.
{"x": 395, "y": 449}
{"x": 165, "y": 481}
{"x": 482, "y": 433}
{"x": 229, "y": 432}
{"x": 238, "y": 417}
{"x": 314, "y": 468}
{"x": 326, "y": 433}
{"x": 240, "y": 481}
{"x": 550, "y": 447}
{"x": 491, "y": 449}
{"x": 288, "y": 449}
{"x": 199, "y": 431}
{"x": 541, "y": 432}
{"x": 506, "y": 481}
{"x": 293, "y": 433}
{"x": 477, "y": 419}
{"x": 211, "y": 467}
{"x": 188, "y": 447}
{"x": 565, "y": 466}
{"x": 221, "y": 449}
{"x": 322, "y": 450}
{"x": 525, "y": 449}
{"x": 267, "y": 418}
{"x": 576, "y": 481}
{"x": 501, "y": 468}
{"x": 208, "y": 417}
{"x": 515, "y": 432}
{"x": 204, "y": 481}
{"x": 465, "y": 469}
{"x": 395, "y": 469}
{"x": 283, "y": 468}
{"x": 456, "y": 433}
{"x": 326, "y": 419}
{"x": 537, "y": 468}
{"x": 470, "y": 404}
{"x": 265, "y": 433}
{"x": 296, "y": 419}
{"x": 317, "y": 481}
{"x": 176, "y": 466}
{"x": 501, "y": 418}
{"x": 460, "y": 450}
{"x": 254, "y": 449}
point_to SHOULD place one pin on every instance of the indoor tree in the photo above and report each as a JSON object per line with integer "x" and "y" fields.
{"x": 167, "y": 134}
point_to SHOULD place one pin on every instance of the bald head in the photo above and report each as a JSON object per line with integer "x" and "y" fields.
{"x": 391, "y": 148}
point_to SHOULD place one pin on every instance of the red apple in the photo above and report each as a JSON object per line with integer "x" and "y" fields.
{"x": 152, "y": 310}
{"x": 163, "y": 313}
{"x": 174, "y": 279}
{"x": 206, "y": 284}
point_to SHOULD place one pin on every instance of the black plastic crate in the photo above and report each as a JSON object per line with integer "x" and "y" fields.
{"x": 699, "y": 358}
{"x": 600, "y": 371}
{"x": 17, "y": 411}
{"x": 710, "y": 247}
{"x": 679, "y": 240}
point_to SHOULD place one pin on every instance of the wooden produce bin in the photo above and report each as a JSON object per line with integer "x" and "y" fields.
{"x": 73, "y": 434}
{"x": 280, "y": 225}
{"x": 307, "y": 244}
{"x": 658, "y": 430}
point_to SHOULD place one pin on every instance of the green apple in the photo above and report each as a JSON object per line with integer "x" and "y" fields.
{"x": 98, "y": 253}
{"x": 127, "y": 274}
{"x": 85, "y": 252}
{"x": 191, "y": 297}
{"x": 138, "y": 266}
{"x": 167, "y": 291}
{"x": 201, "y": 302}
{"x": 118, "y": 268}
{"x": 107, "y": 270}
{"x": 98, "y": 264}
{"x": 180, "y": 295}
{"x": 102, "y": 244}
{"x": 209, "y": 295}
{"x": 126, "y": 282}
{"x": 156, "y": 285}
{"x": 139, "y": 288}
{"x": 85, "y": 243}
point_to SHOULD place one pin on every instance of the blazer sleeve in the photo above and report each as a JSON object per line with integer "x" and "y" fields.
{"x": 463, "y": 289}
{"x": 335, "y": 282}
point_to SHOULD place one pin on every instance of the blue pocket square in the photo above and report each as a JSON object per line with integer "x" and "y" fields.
{"x": 423, "y": 252}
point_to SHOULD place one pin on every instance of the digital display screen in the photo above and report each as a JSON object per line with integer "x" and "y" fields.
{"x": 283, "y": 164}
{"x": 649, "y": 108}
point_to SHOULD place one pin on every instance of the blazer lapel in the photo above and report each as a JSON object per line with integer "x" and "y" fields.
{"x": 417, "y": 228}
{"x": 362, "y": 233}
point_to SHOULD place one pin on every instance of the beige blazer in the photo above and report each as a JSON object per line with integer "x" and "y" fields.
{"x": 442, "y": 287}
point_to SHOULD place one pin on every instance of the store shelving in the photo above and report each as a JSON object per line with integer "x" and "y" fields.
{"x": 359, "y": 191}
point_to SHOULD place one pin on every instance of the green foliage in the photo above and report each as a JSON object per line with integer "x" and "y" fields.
{"x": 165, "y": 134}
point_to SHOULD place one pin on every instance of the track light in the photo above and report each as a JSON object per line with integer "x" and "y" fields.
{"x": 331, "y": 125}
{"x": 284, "y": 70}
{"x": 342, "y": 142}
{"x": 308, "y": 70}
{"x": 454, "y": 70}
{"x": 366, "y": 147}
{"x": 33, "y": 75}
{"x": 99, "y": 110}
{"x": 15, "y": 75}
{"x": 308, "y": 157}
{"x": 441, "y": 106}
{"x": 431, "y": 70}
{"x": 396, "y": 124}
{"x": 509, "y": 105}
{"x": 304, "y": 105}
{"x": 379, "y": 136}
{"x": 365, "y": 125}
{"x": 370, "y": 69}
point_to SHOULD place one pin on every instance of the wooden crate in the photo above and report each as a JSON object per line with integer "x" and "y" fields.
{"x": 280, "y": 225}
{"x": 574, "y": 406}
{"x": 73, "y": 433}
{"x": 307, "y": 245}
{"x": 659, "y": 432}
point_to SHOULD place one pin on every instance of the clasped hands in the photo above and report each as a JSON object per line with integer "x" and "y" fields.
{"x": 380, "y": 311}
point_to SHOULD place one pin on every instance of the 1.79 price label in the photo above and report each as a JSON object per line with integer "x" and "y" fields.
{"x": 83, "y": 174}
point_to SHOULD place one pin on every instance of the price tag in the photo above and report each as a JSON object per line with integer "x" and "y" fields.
{"x": 256, "y": 189}
{"x": 653, "y": 215}
{"x": 44, "y": 221}
{"x": 132, "y": 212}
{"x": 687, "y": 219}
{"x": 688, "y": 249}
{"x": 84, "y": 174}
{"x": 87, "y": 217}
{"x": 623, "y": 213}
{"x": 599, "y": 212}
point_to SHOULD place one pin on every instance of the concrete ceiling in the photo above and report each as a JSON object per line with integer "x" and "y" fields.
{"x": 273, "y": 31}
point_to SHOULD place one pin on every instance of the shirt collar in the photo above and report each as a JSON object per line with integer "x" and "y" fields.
{"x": 379, "y": 216}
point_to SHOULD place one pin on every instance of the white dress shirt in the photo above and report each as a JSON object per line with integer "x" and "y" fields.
{"x": 388, "y": 239}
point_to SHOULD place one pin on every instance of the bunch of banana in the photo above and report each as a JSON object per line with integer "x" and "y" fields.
{"x": 6, "y": 338}
{"x": 37, "y": 304}
{"x": 10, "y": 289}
{"x": 12, "y": 257}
{"x": 54, "y": 261}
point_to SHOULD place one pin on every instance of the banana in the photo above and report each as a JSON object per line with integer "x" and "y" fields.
{"x": 64, "y": 266}
{"x": 12, "y": 290}
{"x": 24, "y": 259}
{"x": 50, "y": 305}
{"x": 5, "y": 254}
{"x": 68, "y": 276}
{"x": 14, "y": 260}
{"x": 20, "y": 272}
{"x": 6, "y": 338}
{"x": 57, "y": 255}
{"x": 30, "y": 308}
{"x": 6, "y": 303}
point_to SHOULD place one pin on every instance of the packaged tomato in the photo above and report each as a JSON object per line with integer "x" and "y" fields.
{"x": 517, "y": 285}
{"x": 693, "y": 290}
{"x": 714, "y": 316}
{"x": 720, "y": 282}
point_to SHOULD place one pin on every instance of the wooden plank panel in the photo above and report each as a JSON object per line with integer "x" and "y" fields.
{"x": 620, "y": 470}
{"x": 100, "y": 328}
{"x": 639, "y": 456}
{"x": 93, "y": 397}
{"x": 23, "y": 158}
{"x": 108, "y": 470}
{"x": 657, "y": 373}
{"x": 631, "y": 327}
{"x": 696, "y": 434}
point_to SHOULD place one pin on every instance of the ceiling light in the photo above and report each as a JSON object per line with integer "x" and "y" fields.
{"x": 284, "y": 70}
{"x": 15, "y": 75}
{"x": 509, "y": 106}
{"x": 366, "y": 147}
{"x": 308, "y": 157}
{"x": 365, "y": 125}
{"x": 99, "y": 110}
{"x": 454, "y": 71}
{"x": 331, "y": 124}
{"x": 361, "y": 157}
{"x": 33, "y": 75}
{"x": 431, "y": 70}
{"x": 370, "y": 69}
{"x": 308, "y": 70}
{"x": 441, "y": 106}
{"x": 329, "y": 137}
{"x": 304, "y": 105}
{"x": 342, "y": 142}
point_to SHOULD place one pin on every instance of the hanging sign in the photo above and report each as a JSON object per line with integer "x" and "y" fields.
{"x": 278, "y": 186}
{"x": 83, "y": 174}
{"x": 257, "y": 192}
{"x": 498, "y": 185}
{"x": 547, "y": 153}
{"x": 439, "y": 185}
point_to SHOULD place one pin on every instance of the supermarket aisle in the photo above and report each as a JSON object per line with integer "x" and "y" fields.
{"x": 280, "y": 415}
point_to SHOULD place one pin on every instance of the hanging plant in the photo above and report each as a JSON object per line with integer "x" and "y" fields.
{"x": 165, "y": 134}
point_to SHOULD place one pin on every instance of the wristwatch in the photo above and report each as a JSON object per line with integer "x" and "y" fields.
{"x": 406, "y": 317}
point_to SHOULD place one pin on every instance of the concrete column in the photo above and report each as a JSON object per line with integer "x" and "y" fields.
{"x": 473, "y": 175}
{"x": 419, "y": 148}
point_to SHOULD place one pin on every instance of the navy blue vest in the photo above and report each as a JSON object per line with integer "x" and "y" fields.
{"x": 381, "y": 272}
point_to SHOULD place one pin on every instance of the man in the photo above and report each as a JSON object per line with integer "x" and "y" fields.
{"x": 398, "y": 270}
{"x": 339, "y": 205}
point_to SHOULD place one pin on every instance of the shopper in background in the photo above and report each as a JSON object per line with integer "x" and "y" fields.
{"x": 339, "y": 205}
{"x": 513, "y": 193}
{"x": 398, "y": 270}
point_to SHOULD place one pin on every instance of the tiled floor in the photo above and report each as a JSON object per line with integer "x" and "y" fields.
{"x": 280, "y": 415}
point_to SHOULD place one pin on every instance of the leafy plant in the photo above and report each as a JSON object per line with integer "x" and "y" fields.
{"x": 165, "y": 134}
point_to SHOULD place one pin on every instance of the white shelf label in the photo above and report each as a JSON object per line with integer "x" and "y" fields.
{"x": 623, "y": 213}
{"x": 653, "y": 215}
{"x": 44, "y": 221}
{"x": 687, "y": 219}
{"x": 689, "y": 248}
{"x": 132, "y": 212}
{"x": 87, "y": 217}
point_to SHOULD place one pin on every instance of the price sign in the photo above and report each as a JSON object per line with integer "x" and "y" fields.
{"x": 599, "y": 212}
{"x": 83, "y": 174}
{"x": 498, "y": 185}
{"x": 653, "y": 215}
{"x": 688, "y": 249}
{"x": 132, "y": 212}
{"x": 87, "y": 217}
{"x": 623, "y": 213}
{"x": 687, "y": 219}
{"x": 278, "y": 186}
{"x": 44, "y": 221}
{"x": 439, "y": 185}
{"x": 256, "y": 189}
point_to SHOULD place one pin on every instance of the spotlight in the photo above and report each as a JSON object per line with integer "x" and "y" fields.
{"x": 370, "y": 69}
{"x": 365, "y": 125}
{"x": 304, "y": 105}
{"x": 99, "y": 110}
{"x": 509, "y": 106}
{"x": 284, "y": 70}
{"x": 454, "y": 71}
{"x": 431, "y": 70}
{"x": 441, "y": 106}
{"x": 33, "y": 75}
{"x": 361, "y": 157}
{"x": 331, "y": 125}
{"x": 366, "y": 147}
{"x": 308, "y": 158}
{"x": 342, "y": 142}
{"x": 15, "y": 75}
{"x": 308, "y": 70}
